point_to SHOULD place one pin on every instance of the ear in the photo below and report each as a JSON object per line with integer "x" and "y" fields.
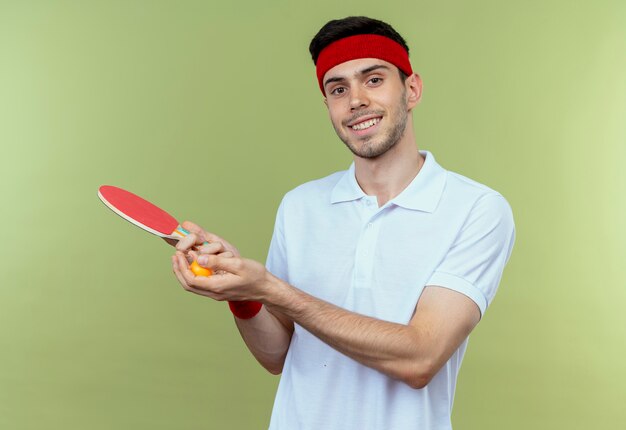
{"x": 413, "y": 90}
{"x": 326, "y": 102}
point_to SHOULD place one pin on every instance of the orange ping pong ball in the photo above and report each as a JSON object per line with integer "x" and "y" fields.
{"x": 199, "y": 270}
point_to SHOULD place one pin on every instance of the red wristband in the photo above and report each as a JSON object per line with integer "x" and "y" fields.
{"x": 245, "y": 310}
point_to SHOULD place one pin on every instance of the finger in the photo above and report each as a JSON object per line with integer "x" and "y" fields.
{"x": 212, "y": 237}
{"x": 212, "y": 248}
{"x": 226, "y": 246}
{"x": 226, "y": 254}
{"x": 216, "y": 262}
{"x": 191, "y": 256}
{"x": 178, "y": 273}
{"x": 187, "y": 242}
{"x": 194, "y": 228}
{"x": 183, "y": 268}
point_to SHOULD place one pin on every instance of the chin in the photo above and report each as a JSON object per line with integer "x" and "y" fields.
{"x": 371, "y": 150}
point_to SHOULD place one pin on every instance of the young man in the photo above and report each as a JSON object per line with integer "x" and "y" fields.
{"x": 375, "y": 275}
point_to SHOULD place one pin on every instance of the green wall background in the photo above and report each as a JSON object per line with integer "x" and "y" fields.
{"x": 211, "y": 110}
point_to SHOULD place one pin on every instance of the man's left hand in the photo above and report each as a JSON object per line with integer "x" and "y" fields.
{"x": 235, "y": 278}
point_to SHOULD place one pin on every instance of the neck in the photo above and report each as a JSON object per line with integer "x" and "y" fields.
{"x": 388, "y": 175}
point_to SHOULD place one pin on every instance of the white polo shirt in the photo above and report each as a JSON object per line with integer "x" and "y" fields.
{"x": 332, "y": 241}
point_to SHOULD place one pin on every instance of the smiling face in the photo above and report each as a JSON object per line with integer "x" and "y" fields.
{"x": 368, "y": 104}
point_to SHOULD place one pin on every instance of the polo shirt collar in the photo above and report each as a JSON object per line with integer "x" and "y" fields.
{"x": 347, "y": 189}
{"x": 425, "y": 190}
{"x": 422, "y": 194}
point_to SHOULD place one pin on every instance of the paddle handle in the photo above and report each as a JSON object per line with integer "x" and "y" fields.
{"x": 178, "y": 233}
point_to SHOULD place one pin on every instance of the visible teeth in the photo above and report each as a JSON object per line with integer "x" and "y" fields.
{"x": 366, "y": 124}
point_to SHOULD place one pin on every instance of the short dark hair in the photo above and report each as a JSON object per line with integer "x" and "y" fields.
{"x": 351, "y": 26}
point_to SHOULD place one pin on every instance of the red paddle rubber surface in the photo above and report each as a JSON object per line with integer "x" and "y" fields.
{"x": 140, "y": 210}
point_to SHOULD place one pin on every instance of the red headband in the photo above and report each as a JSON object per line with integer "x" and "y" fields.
{"x": 361, "y": 46}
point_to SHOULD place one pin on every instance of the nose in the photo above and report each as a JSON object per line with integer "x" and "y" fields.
{"x": 358, "y": 98}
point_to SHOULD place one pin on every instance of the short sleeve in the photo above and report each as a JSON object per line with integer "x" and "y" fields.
{"x": 276, "y": 262}
{"x": 474, "y": 263}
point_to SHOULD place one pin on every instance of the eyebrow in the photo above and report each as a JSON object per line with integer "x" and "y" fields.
{"x": 359, "y": 73}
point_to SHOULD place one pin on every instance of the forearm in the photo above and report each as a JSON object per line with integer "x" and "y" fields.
{"x": 397, "y": 350}
{"x": 266, "y": 338}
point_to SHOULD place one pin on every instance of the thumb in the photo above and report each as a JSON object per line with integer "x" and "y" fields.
{"x": 221, "y": 262}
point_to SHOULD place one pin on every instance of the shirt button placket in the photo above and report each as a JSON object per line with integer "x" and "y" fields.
{"x": 364, "y": 250}
{"x": 367, "y": 244}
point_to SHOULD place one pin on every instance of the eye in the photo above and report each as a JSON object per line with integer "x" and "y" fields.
{"x": 376, "y": 80}
{"x": 337, "y": 91}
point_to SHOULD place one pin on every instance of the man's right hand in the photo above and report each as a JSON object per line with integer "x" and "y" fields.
{"x": 200, "y": 241}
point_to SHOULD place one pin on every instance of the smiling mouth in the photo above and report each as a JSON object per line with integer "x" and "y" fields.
{"x": 365, "y": 124}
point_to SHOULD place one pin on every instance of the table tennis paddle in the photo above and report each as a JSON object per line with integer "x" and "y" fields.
{"x": 141, "y": 212}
